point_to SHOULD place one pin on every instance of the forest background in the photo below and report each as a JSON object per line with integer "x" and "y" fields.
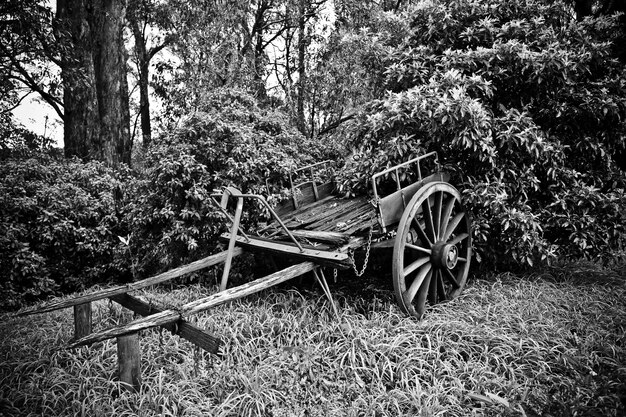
{"x": 164, "y": 101}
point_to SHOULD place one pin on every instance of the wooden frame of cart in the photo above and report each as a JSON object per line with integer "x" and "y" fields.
{"x": 413, "y": 209}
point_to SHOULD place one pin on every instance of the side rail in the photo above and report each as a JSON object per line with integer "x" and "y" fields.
{"x": 391, "y": 206}
{"x": 311, "y": 187}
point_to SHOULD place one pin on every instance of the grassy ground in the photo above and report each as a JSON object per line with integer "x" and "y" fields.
{"x": 543, "y": 345}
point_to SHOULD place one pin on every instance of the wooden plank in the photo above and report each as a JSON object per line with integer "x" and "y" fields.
{"x": 182, "y": 328}
{"x": 364, "y": 222}
{"x": 329, "y": 237}
{"x": 346, "y": 219}
{"x": 328, "y": 217}
{"x": 194, "y": 307}
{"x": 121, "y": 289}
{"x": 324, "y": 190}
{"x": 320, "y": 256}
{"x": 306, "y": 195}
{"x": 331, "y": 208}
{"x": 392, "y": 206}
{"x": 290, "y": 214}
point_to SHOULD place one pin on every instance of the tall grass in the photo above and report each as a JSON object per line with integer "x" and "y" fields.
{"x": 510, "y": 345}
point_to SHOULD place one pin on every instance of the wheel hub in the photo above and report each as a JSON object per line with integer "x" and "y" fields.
{"x": 444, "y": 255}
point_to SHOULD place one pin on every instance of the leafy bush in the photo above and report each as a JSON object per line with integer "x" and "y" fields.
{"x": 58, "y": 227}
{"x": 525, "y": 106}
{"x": 230, "y": 141}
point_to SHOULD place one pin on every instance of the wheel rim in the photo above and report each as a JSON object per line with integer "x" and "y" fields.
{"x": 433, "y": 249}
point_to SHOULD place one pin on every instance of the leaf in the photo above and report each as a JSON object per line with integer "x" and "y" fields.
{"x": 497, "y": 399}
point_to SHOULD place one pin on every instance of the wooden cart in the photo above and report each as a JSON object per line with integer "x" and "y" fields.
{"x": 424, "y": 222}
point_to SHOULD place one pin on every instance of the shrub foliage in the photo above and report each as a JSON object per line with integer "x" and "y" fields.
{"x": 229, "y": 141}
{"x": 525, "y": 105}
{"x": 58, "y": 227}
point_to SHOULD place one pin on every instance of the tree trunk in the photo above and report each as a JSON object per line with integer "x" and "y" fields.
{"x": 95, "y": 97}
{"x": 109, "y": 57}
{"x": 143, "y": 62}
{"x": 259, "y": 69}
{"x": 302, "y": 44}
{"x": 81, "y": 127}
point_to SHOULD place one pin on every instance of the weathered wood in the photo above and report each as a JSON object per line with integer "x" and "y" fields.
{"x": 121, "y": 289}
{"x": 129, "y": 361}
{"x": 392, "y": 206}
{"x": 325, "y": 212}
{"x": 194, "y": 307}
{"x": 82, "y": 320}
{"x": 182, "y": 328}
{"x": 328, "y": 215}
{"x": 327, "y": 258}
{"x": 286, "y": 211}
{"x": 306, "y": 194}
{"x": 358, "y": 215}
{"x": 231, "y": 242}
{"x": 330, "y": 237}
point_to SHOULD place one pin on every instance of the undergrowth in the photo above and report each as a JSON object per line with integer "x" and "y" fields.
{"x": 544, "y": 345}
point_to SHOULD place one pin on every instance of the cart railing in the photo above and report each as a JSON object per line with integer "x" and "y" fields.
{"x": 396, "y": 170}
{"x": 391, "y": 206}
{"x": 317, "y": 192}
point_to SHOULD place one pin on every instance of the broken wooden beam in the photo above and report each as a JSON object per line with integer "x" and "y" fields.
{"x": 182, "y": 328}
{"x": 121, "y": 289}
{"x": 194, "y": 307}
{"x": 334, "y": 238}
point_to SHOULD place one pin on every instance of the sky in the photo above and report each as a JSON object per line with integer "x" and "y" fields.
{"x": 40, "y": 118}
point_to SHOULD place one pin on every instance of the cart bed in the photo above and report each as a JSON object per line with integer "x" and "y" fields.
{"x": 349, "y": 217}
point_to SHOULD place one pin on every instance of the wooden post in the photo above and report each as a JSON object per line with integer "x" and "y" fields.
{"x": 82, "y": 320}
{"x": 129, "y": 361}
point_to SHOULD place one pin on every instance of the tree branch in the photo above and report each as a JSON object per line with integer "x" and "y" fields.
{"x": 336, "y": 124}
{"x": 33, "y": 85}
{"x": 17, "y": 104}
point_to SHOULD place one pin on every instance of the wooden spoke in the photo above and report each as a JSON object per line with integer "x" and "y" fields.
{"x": 437, "y": 214}
{"x": 428, "y": 220}
{"x": 447, "y": 212}
{"x": 432, "y": 289}
{"x": 450, "y": 276}
{"x": 415, "y": 265}
{"x": 417, "y": 283}
{"x": 452, "y": 226}
{"x": 421, "y": 234}
{"x": 419, "y": 249}
{"x": 420, "y": 303}
{"x": 441, "y": 289}
{"x": 459, "y": 238}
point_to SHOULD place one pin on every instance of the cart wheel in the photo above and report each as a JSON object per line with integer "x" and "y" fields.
{"x": 433, "y": 249}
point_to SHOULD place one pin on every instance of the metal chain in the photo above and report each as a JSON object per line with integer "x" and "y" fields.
{"x": 367, "y": 255}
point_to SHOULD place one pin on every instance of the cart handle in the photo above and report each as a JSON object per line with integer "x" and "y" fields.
{"x": 231, "y": 191}
{"x": 402, "y": 165}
